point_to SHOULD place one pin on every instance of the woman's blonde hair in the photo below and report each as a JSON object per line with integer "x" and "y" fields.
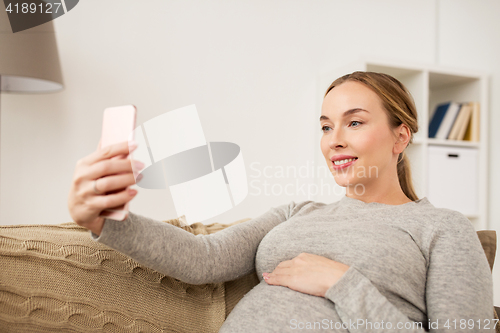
{"x": 400, "y": 107}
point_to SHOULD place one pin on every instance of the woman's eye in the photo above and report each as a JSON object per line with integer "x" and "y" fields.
{"x": 355, "y": 121}
{"x": 323, "y": 128}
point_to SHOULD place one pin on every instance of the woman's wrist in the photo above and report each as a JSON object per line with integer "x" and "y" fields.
{"x": 97, "y": 226}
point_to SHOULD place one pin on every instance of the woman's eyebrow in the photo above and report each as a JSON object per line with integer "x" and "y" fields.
{"x": 347, "y": 113}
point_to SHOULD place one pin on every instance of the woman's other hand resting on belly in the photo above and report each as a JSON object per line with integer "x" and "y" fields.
{"x": 307, "y": 273}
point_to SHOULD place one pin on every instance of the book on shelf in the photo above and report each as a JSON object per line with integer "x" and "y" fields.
{"x": 458, "y": 130}
{"x": 472, "y": 131}
{"x": 455, "y": 121}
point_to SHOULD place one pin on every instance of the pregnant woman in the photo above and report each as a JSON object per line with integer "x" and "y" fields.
{"x": 378, "y": 260}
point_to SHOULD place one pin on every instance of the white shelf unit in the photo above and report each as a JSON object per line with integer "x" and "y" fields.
{"x": 429, "y": 86}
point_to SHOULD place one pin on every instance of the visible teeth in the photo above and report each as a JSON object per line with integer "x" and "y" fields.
{"x": 343, "y": 161}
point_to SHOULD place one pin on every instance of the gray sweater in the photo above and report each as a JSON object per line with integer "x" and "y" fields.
{"x": 411, "y": 266}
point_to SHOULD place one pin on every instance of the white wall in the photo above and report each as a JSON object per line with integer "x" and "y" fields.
{"x": 249, "y": 66}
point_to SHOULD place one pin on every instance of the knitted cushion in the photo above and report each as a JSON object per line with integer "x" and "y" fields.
{"x": 56, "y": 278}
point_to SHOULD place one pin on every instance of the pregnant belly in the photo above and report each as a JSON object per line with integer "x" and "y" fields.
{"x": 268, "y": 308}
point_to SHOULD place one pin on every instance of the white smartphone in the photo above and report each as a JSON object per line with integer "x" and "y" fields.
{"x": 118, "y": 125}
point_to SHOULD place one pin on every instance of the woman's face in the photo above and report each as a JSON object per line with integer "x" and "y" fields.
{"x": 354, "y": 124}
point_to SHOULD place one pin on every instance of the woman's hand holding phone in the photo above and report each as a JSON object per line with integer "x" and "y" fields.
{"x": 112, "y": 174}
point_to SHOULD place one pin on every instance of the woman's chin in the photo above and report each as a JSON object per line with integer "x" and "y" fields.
{"x": 341, "y": 181}
{"x": 344, "y": 182}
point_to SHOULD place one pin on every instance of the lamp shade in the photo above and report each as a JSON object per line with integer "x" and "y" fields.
{"x": 29, "y": 60}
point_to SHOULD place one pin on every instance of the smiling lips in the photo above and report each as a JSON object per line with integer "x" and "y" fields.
{"x": 342, "y": 161}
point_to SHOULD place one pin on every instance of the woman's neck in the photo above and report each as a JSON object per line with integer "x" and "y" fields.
{"x": 384, "y": 200}
{"x": 389, "y": 195}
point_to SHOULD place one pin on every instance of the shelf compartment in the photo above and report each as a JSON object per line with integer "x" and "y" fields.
{"x": 453, "y": 143}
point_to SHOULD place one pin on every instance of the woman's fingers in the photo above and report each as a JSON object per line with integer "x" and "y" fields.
{"x": 114, "y": 167}
{"x": 102, "y": 202}
{"x": 113, "y": 183}
{"x": 108, "y": 152}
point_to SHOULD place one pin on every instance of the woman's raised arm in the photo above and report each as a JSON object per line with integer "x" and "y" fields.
{"x": 196, "y": 259}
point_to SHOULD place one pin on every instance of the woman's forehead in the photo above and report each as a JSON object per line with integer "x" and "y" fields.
{"x": 348, "y": 96}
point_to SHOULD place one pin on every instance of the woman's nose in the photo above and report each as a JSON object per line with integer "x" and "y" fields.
{"x": 336, "y": 139}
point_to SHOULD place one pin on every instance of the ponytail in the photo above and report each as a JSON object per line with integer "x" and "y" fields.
{"x": 404, "y": 176}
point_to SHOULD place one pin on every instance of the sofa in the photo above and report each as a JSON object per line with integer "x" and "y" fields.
{"x": 55, "y": 278}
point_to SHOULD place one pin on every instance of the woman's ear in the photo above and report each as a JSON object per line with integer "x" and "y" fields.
{"x": 403, "y": 135}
